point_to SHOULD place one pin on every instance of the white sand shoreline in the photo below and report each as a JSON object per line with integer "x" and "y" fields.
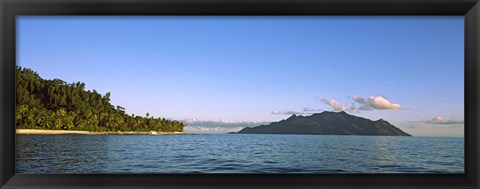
{"x": 56, "y": 132}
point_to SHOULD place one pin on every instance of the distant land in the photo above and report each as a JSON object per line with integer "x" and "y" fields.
{"x": 198, "y": 126}
{"x": 327, "y": 123}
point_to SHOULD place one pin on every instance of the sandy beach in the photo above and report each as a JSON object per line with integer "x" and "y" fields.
{"x": 54, "y": 132}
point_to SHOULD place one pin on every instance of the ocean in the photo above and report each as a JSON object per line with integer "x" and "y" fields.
{"x": 238, "y": 153}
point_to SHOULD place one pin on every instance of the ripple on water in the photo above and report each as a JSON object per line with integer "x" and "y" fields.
{"x": 237, "y": 154}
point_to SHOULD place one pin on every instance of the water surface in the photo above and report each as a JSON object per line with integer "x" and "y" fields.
{"x": 238, "y": 153}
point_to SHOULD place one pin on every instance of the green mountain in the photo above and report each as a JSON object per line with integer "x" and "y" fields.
{"x": 56, "y": 104}
{"x": 327, "y": 123}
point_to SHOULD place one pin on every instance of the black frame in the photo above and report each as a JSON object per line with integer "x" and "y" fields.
{"x": 11, "y": 8}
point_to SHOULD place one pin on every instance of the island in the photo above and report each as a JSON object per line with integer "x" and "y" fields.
{"x": 327, "y": 123}
{"x": 53, "y": 106}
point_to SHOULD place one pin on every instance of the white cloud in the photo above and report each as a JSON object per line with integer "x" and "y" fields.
{"x": 352, "y": 108}
{"x": 294, "y": 112}
{"x": 440, "y": 120}
{"x": 276, "y": 112}
{"x": 437, "y": 119}
{"x": 337, "y": 106}
{"x": 376, "y": 102}
{"x": 307, "y": 109}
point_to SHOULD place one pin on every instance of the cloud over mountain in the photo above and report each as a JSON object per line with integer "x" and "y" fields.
{"x": 375, "y": 102}
{"x": 305, "y": 111}
{"x": 275, "y": 112}
{"x": 361, "y": 104}
{"x": 337, "y": 106}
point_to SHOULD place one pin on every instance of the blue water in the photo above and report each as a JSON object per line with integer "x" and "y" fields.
{"x": 237, "y": 153}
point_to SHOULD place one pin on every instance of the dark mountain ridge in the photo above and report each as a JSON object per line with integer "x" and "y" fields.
{"x": 327, "y": 123}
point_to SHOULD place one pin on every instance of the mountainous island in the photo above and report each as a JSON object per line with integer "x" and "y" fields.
{"x": 327, "y": 123}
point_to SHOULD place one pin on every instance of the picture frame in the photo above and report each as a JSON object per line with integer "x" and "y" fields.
{"x": 11, "y": 8}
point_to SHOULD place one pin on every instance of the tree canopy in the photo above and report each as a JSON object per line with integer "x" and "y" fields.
{"x": 56, "y": 104}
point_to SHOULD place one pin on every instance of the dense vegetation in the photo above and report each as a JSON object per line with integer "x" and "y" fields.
{"x": 55, "y": 104}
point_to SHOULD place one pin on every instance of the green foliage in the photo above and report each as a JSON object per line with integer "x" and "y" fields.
{"x": 55, "y": 104}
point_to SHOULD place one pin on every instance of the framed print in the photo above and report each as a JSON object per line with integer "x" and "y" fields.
{"x": 252, "y": 94}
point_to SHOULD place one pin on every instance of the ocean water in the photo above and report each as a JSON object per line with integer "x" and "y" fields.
{"x": 238, "y": 153}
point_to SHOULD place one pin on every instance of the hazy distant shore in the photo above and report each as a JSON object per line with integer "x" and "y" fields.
{"x": 53, "y": 132}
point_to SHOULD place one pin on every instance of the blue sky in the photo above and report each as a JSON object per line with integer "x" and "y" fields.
{"x": 260, "y": 68}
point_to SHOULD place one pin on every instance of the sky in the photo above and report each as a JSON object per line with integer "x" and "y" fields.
{"x": 408, "y": 70}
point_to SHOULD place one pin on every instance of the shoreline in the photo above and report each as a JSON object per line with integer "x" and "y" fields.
{"x": 58, "y": 132}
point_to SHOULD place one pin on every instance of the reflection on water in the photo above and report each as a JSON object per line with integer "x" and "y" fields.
{"x": 235, "y": 153}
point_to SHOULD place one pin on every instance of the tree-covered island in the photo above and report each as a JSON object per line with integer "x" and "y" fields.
{"x": 57, "y": 105}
